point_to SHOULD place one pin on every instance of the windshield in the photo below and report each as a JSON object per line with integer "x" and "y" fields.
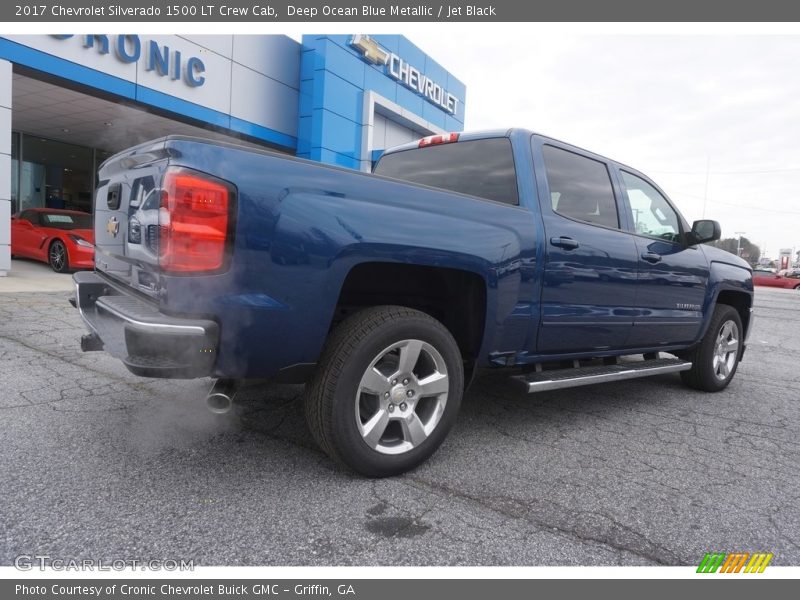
{"x": 67, "y": 221}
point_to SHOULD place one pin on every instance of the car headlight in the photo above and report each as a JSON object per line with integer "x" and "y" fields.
{"x": 80, "y": 241}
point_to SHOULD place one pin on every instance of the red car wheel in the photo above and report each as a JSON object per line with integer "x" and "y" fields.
{"x": 57, "y": 257}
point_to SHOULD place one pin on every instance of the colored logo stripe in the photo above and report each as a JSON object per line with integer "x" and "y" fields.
{"x": 711, "y": 562}
{"x": 758, "y": 563}
{"x": 734, "y": 562}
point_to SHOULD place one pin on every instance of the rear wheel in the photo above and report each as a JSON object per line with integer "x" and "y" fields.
{"x": 387, "y": 390}
{"x": 57, "y": 257}
{"x": 715, "y": 359}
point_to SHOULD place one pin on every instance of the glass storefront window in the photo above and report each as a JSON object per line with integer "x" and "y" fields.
{"x": 55, "y": 175}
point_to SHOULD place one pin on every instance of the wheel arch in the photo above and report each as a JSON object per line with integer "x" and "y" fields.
{"x": 455, "y": 297}
{"x": 739, "y": 300}
{"x": 49, "y": 243}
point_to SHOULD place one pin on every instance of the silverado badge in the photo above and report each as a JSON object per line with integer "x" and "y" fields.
{"x": 112, "y": 227}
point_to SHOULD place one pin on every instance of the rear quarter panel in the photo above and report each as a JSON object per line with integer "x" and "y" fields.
{"x": 302, "y": 226}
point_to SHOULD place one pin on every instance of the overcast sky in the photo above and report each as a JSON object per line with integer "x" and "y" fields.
{"x": 668, "y": 105}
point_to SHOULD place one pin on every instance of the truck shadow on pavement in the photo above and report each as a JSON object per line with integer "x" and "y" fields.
{"x": 277, "y": 410}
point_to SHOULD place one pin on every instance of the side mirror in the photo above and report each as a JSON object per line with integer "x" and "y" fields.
{"x": 705, "y": 230}
{"x": 25, "y": 223}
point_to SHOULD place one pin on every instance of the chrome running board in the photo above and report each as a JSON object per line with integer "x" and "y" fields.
{"x": 542, "y": 381}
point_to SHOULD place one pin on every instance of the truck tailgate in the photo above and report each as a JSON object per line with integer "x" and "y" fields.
{"x": 126, "y": 225}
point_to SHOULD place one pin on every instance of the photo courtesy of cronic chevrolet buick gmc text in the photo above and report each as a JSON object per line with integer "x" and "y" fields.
{"x": 385, "y": 292}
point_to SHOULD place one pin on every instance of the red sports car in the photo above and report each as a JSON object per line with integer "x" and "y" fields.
{"x": 784, "y": 279}
{"x": 62, "y": 238}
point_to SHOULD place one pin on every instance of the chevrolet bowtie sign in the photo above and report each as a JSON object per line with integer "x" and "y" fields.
{"x": 372, "y": 52}
{"x": 408, "y": 75}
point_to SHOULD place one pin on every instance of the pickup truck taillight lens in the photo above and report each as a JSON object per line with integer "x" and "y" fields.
{"x": 193, "y": 222}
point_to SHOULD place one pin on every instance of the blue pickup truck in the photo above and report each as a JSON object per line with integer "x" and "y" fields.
{"x": 385, "y": 292}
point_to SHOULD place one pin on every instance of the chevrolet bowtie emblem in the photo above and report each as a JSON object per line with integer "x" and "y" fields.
{"x": 372, "y": 52}
{"x": 112, "y": 227}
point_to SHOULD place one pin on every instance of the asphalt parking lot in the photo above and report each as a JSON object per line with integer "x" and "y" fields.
{"x": 97, "y": 463}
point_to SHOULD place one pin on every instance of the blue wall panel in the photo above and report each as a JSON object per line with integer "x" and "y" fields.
{"x": 307, "y": 63}
{"x": 435, "y": 71}
{"x": 334, "y": 158}
{"x": 341, "y": 62}
{"x": 434, "y": 115}
{"x": 304, "y": 136}
{"x": 410, "y": 100}
{"x": 334, "y": 79}
{"x": 411, "y": 54}
{"x": 338, "y": 134}
{"x": 389, "y": 42}
{"x": 342, "y": 40}
{"x": 306, "y": 101}
{"x": 376, "y": 80}
{"x": 451, "y": 124}
{"x": 339, "y": 96}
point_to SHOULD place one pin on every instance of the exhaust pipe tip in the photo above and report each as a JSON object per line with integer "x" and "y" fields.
{"x": 219, "y": 404}
{"x": 220, "y": 399}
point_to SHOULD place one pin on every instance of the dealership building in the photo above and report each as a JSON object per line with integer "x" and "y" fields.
{"x": 67, "y": 102}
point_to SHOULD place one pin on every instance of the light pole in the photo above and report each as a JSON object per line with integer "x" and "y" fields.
{"x": 739, "y": 242}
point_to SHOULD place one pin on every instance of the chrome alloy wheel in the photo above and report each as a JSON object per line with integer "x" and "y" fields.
{"x": 58, "y": 256}
{"x": 726, "y": 350}
{"x": 401, "y": 397}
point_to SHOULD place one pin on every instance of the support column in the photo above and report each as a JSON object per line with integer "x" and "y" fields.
{"x": 5, "y": 167}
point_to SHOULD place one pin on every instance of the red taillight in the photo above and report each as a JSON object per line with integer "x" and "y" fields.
{"x": 193, "y": 222}
{"x": 433, "y": 140}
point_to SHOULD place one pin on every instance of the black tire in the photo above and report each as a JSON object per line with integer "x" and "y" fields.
{"x": 57, "y": 257}
{"x": 708, "y": 373}
{"x": 335, "y": 398}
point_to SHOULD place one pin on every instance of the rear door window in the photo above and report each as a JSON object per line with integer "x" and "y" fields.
{"x": 483, "y": 168}
{"x": 580, "y": 187}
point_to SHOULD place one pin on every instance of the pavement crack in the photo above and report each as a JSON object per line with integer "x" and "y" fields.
{"x": 516, "y": 509}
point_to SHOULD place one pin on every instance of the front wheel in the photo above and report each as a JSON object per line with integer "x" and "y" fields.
{"x": 387, "y": 390}
{"x": 715, "y": 359}
{"x": 57, "y": 257}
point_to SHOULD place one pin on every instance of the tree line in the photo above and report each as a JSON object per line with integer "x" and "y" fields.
{"x": 747, "y": 249}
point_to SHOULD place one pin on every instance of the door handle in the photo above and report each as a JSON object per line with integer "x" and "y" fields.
{"x": 564, "y": 242}
{"x": 651, "y": 257}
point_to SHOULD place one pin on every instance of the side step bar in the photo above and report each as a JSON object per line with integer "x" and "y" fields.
{"x": 565, "y": 378}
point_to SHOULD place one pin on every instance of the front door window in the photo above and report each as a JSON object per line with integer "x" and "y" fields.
{"x": 652, "y": 214}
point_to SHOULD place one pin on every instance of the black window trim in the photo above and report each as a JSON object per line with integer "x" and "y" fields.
{"x": 607, "y": 164}
{"x": 446, "y": 191}
{"x": 631, "y": 228}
